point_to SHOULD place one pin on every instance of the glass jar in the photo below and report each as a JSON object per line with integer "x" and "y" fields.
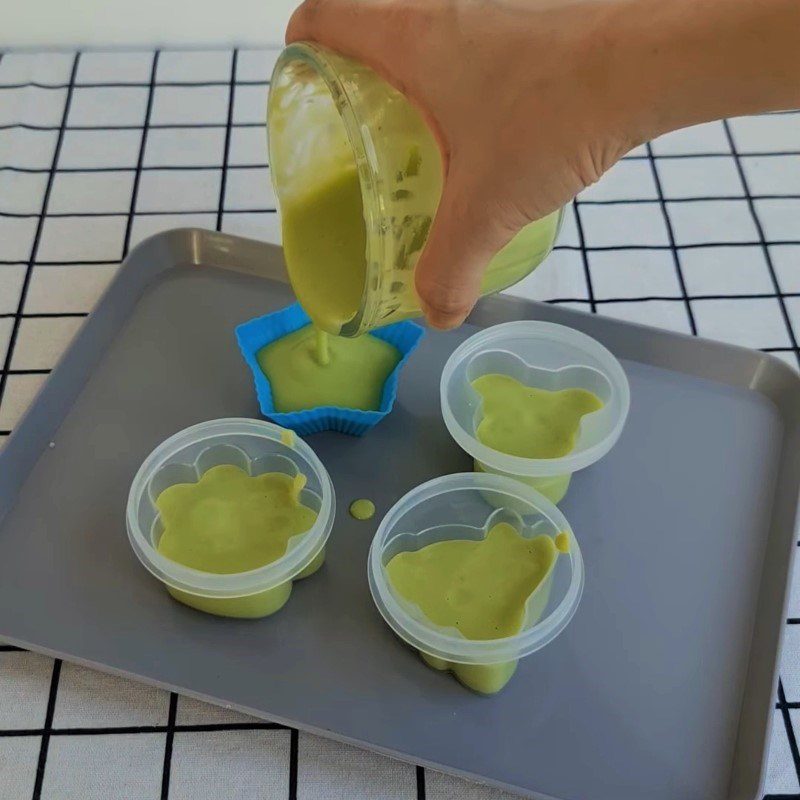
{"x": 358, "y": 178}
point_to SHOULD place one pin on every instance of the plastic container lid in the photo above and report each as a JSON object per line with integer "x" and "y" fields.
{"x": 547, "y": 356}
{"x": 466, "y": 505}
{"x": 255, "y": 446}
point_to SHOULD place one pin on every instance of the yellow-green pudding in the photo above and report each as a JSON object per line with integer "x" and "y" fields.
{"x": 309, "y": 369}
{"x": 230, "y": 522}
{"x": 534, "y": 401}
{"x": 474, "y": 571}
{"x": 479, "y": 588}
{"x": 528, "y": 422}
{"x": 324, "y": 241}
{"x": 228, "y": 513}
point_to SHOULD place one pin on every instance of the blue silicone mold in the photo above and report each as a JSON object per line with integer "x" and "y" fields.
{"x": 259, "y": 332}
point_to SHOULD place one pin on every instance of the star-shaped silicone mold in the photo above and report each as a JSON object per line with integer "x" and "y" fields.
{"x": 252, "y": 336}
{"x": 533, "y": 412}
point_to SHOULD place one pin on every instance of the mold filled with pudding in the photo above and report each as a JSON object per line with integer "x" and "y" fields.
{"x": 230, "y": 522}
{"x": 309, "y": 369}
{"x": 362, "y": 509}
{"x": 529, "y": 422}
{"x": 481, "y": 588}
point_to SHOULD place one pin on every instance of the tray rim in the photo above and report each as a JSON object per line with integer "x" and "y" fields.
{"x": 769, "y": 377}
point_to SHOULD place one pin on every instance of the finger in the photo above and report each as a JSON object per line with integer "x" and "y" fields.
{"x": 351, "y": 27}
{"x": 305, "y": 22}
{"x": 461, "y": 243}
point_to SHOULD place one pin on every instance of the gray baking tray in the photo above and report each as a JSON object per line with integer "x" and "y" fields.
{"x": 661, "y": 687}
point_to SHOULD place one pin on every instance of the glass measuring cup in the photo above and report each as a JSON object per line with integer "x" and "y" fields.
{"x": 358, "y": 177}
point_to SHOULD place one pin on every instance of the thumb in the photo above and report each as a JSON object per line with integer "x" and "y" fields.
{"x": 463, "y": 239}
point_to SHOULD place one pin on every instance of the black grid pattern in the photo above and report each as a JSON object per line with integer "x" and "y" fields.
{"x": 697, "y": 232}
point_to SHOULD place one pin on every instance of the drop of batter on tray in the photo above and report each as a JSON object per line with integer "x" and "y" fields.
{"x": 362, "y": 509}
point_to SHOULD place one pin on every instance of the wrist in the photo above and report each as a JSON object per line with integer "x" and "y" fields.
{"x": 685, "y": 62}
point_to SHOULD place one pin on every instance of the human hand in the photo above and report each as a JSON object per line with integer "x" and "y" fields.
{"x": 517, "y": 142}
{"x": 531, "y": 101}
